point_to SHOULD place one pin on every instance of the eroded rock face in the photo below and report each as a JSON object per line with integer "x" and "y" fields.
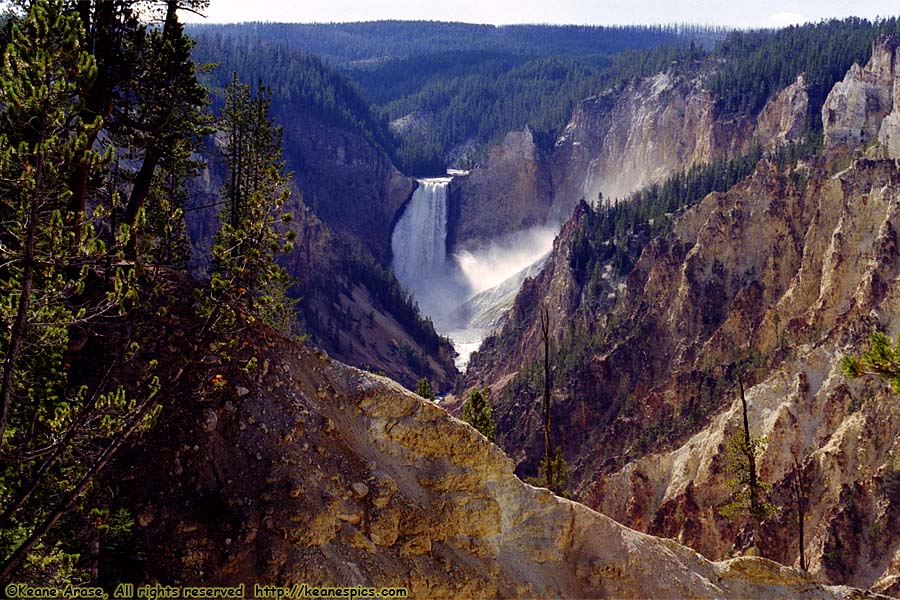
{"x": 783, "y": 118}
{"x": 510, "y": 192}
{"x": 807, "y": 283}
{"x": 619, "y": 142}
{"x": 330, "y": 476}
{"x": 865, "y": 105}
{"x": 801, "y": 267}
{"x": 615, "y": 144}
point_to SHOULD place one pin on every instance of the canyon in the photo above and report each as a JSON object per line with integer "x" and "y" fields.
{"x": 790, "y": 270}
{"x": 655, "y": 252}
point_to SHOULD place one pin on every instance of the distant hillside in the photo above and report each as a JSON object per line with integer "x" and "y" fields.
{"x": 346, "y": 43}
{"x": 463, "y": 87}
{"x": 303, "y": 85}
{"x": 463, "y": 84}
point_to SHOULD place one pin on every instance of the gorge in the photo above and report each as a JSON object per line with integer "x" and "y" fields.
{"x": 640, "y": 266}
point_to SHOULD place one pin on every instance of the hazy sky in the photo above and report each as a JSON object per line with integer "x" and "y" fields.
{"x": 742, "y": 13}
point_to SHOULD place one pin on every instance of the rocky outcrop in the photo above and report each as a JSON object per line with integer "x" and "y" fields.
{"x": 417, "y": 124}
{"x": 619, "y": 142}
{"x": 865, "y": 106}
{"x": 783, "y": 118}
{"x": 306, "y": 471}
{"x": 802, "y": 276}
{"x": 615, "y": 144}
{"x": 509, "y": 192}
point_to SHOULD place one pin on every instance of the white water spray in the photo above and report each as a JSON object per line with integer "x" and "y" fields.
{"x": 443, "y": 285}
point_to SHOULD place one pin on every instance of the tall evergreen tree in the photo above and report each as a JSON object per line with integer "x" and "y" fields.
{"x": 54, "y": 437}
{"x": 254, "y": 193}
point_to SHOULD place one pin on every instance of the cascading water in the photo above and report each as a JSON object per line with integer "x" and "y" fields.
{"x": 419, "y": 241}
{"x": 442, "y": 286}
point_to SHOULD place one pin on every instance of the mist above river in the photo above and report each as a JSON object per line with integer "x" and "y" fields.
{"x": 442, "y": 284}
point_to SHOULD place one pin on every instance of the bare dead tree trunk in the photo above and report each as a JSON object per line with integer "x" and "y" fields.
{"x": 799, "y": 486}
{"x": 749, "y": 452}
{"x": 545, "y": 335}
{"x": 20, "y": 324}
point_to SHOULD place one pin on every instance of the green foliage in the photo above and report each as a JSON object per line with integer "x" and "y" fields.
{"x": 255, "y": 192}
{"x": 560, "y": 480}
{"x": 369, "y": 45}
{"x": 881, "y": 358}
{"x": 166, "y": 241}
{"x": 747, "y": 491}
{"x": 423, "y": 388}
{"x": 63, "y": 273}
{"x": 53, "y": 433}
{"x": 477, "y": 413}
{"x": 302, "y": 87}
{"x": 753, "y": 65}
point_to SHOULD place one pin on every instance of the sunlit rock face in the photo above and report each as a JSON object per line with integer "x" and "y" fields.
{"x": 306, "y": 470}
{"x": 614, "y": 144}
{"x": 619, "y": 142}
{"x": 510, "y": 191}
{"x": 865, "y": 106}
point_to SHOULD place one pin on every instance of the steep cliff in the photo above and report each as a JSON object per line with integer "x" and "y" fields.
{"x": 865, "y": 106}
{"x": 349, "y": 183}
{"x": 509, "y": 192}
{"x": 614, "y": 144}
{"x": 792, "y": 269}
{"x": 619, "y": 142}
{"x": 306, "y": 471}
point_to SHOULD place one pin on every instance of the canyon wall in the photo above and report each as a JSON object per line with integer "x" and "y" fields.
{"x": 787, "y": 272}
{"x": 615, "y": 143}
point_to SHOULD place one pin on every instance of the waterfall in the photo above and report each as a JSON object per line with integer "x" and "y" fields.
{"x": 442, "y": 287}
{"x": 419, "y": 241}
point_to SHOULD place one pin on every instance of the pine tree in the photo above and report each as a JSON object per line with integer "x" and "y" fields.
{"x": 254, "y": 193}
{"x": 54, "y": 437}
{"x": 162, "y": 108}
{"x": 748, "y": 490}
{"x": 423, "y": 388}
{"x": 880, "y": 358}
{"x": 477, "y": 413}
{"x": 45, "y": 74}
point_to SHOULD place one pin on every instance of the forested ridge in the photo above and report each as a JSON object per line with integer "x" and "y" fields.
{"x": 368, "y": 43}
{"x": 302, "y": 84}
{"x": 471, "y": 84}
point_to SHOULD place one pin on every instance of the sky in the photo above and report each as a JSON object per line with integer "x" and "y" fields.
{"x": 739, "y": 13}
